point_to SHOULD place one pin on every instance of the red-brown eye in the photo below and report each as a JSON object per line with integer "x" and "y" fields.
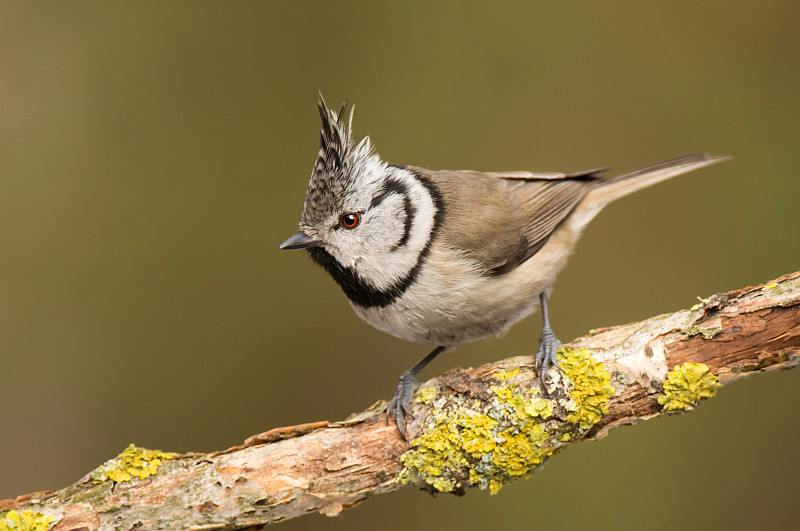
{"x": 350, "y": 221}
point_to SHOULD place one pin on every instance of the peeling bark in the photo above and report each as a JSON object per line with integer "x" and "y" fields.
{"x": 329, "y": 466}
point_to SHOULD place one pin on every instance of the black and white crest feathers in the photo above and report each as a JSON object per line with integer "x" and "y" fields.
{"x": 338, "y": 162}
{"x": 334, "y": 140}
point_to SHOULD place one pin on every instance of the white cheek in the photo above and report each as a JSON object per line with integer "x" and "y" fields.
{"x": 385, "y": 263}
{"x": 384, "y": 226}
{"x": 377, "y": 231}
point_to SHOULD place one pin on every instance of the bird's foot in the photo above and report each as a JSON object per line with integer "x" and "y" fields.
{"x": 400, "y": 405}
{"x": 546, "y": 355}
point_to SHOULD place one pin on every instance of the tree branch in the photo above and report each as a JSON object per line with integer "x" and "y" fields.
{"x": 471, "y": 427}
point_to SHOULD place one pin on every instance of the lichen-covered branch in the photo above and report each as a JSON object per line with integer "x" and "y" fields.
{"x": 479, "y": 427}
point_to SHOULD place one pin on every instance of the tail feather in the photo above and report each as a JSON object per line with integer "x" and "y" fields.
{"x": 627, "y": 183}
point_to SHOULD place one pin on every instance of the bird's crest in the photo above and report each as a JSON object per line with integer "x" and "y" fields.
{"x": 338, "y": 161}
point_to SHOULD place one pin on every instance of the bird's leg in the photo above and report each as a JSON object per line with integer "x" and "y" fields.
{"x": 548, "y": 344}
{"x": 399, "y": 405}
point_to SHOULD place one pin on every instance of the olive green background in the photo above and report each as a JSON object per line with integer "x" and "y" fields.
{"x": 153, "y": 155}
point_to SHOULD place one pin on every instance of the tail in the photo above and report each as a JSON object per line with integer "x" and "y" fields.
{"x": 627, "y": 183}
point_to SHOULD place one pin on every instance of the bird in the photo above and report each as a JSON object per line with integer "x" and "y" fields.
{"x": 449, "y": 256}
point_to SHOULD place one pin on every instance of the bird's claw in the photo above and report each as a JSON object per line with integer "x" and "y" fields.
{"x": 546, "y": 355}
{"x": 400, "y": 405}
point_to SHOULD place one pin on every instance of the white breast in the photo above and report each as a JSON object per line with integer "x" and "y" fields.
{"x": 452, "y": 303}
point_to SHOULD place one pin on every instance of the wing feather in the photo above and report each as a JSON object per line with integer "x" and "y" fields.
{"x": 500, "y": 220}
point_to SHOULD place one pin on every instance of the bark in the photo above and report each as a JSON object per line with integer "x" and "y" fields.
{"x": 329, "y": 466}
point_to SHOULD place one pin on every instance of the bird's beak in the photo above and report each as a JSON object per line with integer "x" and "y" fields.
{"x": 299, "y": 241}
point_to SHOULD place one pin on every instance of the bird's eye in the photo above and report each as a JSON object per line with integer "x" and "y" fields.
{"x": 350, "y": 221}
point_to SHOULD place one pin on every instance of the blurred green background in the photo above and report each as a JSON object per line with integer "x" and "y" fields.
{"x": 153, "y": 155}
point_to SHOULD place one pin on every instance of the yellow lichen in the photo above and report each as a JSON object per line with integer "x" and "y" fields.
{"x": 686, "y": 385}
{"x": 506, "y": 375}
{"x": 590, "y": 387}
{"x": 437, "y": 454}
{"x": 498, "y": 442}
{"x": 25, "y": 521}
{"x": 477, "y": 435}
{"x": 133, "y": 462}
{"x": 700, "y": 303}
{"x": 425, "y": 394}
{"x": 538, "y": 407}
{"x": 524, "y": 404}
{"x": 518, "y": 452}
{"x": 466, "y": 442}
{"x": 505, "y": 394}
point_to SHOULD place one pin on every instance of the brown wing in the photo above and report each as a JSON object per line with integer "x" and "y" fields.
{"x": 543, "y": 206}
{"x": 502, "y": 219}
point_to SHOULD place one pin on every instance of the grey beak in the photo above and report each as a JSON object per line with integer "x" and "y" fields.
{"x": 299, "y": 241}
